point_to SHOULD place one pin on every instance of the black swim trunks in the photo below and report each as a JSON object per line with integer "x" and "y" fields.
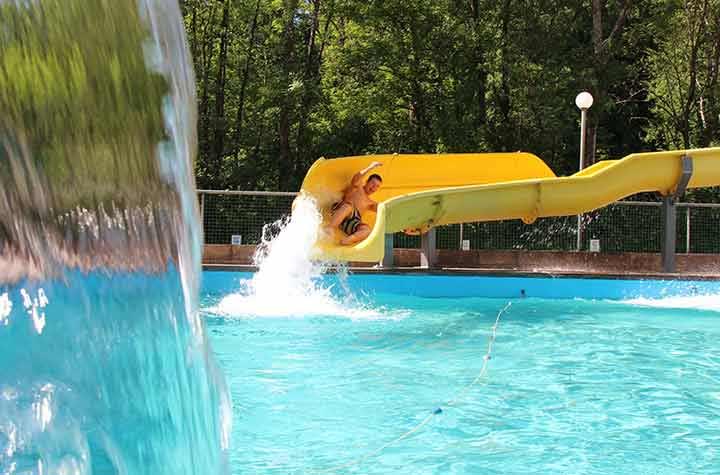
{"x": 350, "y": 224}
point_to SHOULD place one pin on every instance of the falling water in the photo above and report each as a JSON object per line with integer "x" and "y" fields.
{"x": 105, "y": 366}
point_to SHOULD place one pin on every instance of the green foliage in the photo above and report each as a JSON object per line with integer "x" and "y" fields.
{"x": 683, "y": 77}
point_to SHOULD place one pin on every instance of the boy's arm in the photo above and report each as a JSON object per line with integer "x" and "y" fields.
{"x": 358, "y": 177}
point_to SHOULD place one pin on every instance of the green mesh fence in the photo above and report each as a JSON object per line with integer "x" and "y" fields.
{"x": 626, "y": 227}
{"x": 233, "y": 214}
{"x": 620, "y": 227}
{"x": 704, "y": 227}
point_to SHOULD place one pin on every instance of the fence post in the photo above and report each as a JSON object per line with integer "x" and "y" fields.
{"x": 578, "y": 245}
{"x": 687, "y": 230}
{"x": 387, "y": 261}
{"x": 202, "y": 216}
{"x": 428, "y": 250}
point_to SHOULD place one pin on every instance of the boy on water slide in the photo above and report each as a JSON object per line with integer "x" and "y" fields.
{"x": 346, "y": 213}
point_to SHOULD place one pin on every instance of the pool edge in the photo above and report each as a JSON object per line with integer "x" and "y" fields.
{"x": 492, "y": 272}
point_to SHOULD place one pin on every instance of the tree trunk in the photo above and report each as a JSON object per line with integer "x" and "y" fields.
{"x": 193, "y": 33}
{"x": 311, "y": 75}
{"x": 600, "y": 59}
{"x": 504, "y": 98}
{"x": 219, "y": 119}
{"x": 205, "y": 61}
{"x": 596, "y": 88}
{"x": 597, "y": 29}
{"x": 285, "y": 161}
{"x": 698, "y": 30}
{"x": 481, "y": 79}
{"x": 481, "y": 73}
{"x": 590, "y": 146}
{"x": 245, "y": 78}
{"x": 709, "y": 109}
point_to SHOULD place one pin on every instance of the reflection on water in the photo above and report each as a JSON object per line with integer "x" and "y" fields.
{"x": 104, "y": 364}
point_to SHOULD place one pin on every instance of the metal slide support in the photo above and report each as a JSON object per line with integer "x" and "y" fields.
{"x": 428, "y": 249}
{"x": 387, "y": 260}
{"x": 669, "y": 211}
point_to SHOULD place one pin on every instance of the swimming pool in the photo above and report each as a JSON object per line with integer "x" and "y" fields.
{"x": 574, "y": 384}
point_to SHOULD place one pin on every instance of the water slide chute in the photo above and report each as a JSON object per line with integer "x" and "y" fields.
{"x": 427, "y": 190}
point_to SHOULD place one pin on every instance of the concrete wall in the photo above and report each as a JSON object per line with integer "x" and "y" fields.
{"x": 228, "y": 254}
{"x": 515, "y": 260}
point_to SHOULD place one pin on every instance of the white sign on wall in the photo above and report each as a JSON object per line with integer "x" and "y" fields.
{"x": 236, "y": 239}
{"x": 466, "y": 245}
{"x": 594, "y": 245}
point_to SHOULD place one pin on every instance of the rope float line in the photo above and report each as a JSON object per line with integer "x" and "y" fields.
{"x": 438, "y": 410}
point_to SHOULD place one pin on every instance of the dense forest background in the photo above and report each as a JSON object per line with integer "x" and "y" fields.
{"x": 283, "y": 82}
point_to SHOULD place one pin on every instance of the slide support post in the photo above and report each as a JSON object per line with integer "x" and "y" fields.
{"x": 669, "y": 211}
{"x": 387, "y": 260}
{"x": 428, "y": 250}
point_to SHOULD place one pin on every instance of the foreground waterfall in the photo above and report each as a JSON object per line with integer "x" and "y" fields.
{"x": 104, "y": 363}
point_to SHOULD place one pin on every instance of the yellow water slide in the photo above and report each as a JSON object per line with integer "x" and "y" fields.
{"x": 423, "y": 191}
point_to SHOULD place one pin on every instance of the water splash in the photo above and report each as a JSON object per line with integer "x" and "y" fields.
{"x": 106, "y": 366}
{"x": 5, "y": 308}
{"x": 283, "y": 256}
{"x": 695, "y": 302}
{"x": 288, "y": 282}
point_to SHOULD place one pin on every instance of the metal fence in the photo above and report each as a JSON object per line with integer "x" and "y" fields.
{"x": 241, "y": 214}
{"x": 624, "y": 226}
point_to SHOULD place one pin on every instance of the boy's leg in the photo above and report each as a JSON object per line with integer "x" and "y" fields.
{"x": 361, "y": 233}
{"x": 339, "y": 214}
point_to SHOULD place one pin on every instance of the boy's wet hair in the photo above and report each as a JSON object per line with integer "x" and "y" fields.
{"x": 375, "y": 176}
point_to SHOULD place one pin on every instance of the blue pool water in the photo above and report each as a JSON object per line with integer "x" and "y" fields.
{"x": 621, "y": 383}
{"x": 107, "y": 374}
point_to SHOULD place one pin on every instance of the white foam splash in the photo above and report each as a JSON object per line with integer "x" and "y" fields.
{"x": 288, "y": 283}
{"x": 318, "y": 303}
{"x": 34, "y": 307}
{"x": 697, "y": 302}
{"x": 43, "y": 406}
{"x": 5, "y": 309}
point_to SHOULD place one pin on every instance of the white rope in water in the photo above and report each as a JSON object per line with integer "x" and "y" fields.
{"x": 452, "y": 403}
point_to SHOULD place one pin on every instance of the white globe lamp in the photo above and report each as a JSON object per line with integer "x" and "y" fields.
{"x": 584, "y": 100}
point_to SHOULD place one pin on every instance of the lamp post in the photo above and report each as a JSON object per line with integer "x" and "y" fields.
{"x": 583, "y": 101}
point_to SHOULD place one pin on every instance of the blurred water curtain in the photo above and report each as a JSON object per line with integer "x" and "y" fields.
{"x": 104, "y": 362}
{"x": 97, "y": 134}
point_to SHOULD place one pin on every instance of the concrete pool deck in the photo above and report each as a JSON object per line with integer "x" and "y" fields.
{"x": 508, "y": 263}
